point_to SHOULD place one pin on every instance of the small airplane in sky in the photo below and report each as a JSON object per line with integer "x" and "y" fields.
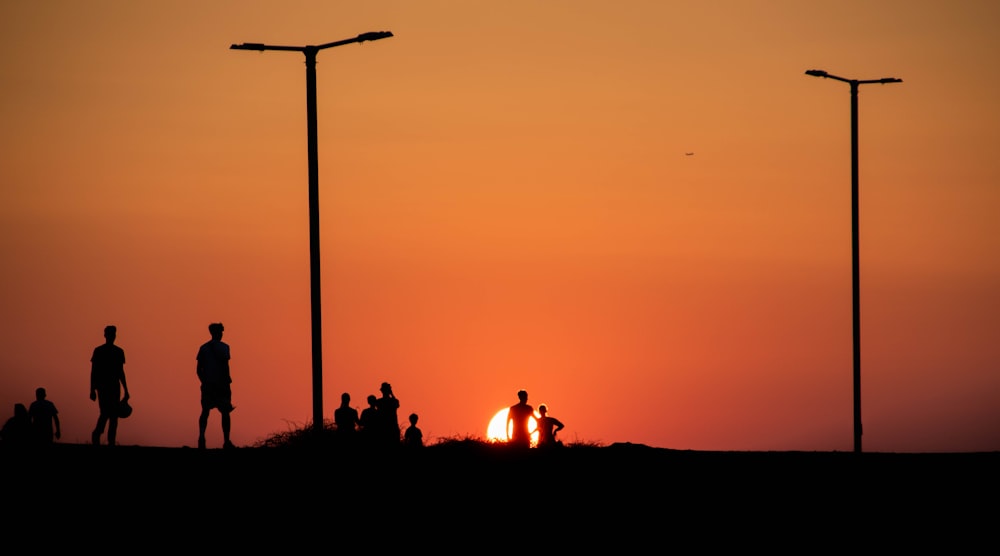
{"x": 688, "y": 154}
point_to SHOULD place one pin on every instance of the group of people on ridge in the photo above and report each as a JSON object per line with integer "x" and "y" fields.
{"x": 377, "y": 424}
{"x": 519, "y": 430}
{"x": 109, "y": 388}
{"x": 34, "y": 425}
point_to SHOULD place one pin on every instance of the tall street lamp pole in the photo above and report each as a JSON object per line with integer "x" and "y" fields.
{"x": 310, "y": 53}
{"x": 856, "y": 278}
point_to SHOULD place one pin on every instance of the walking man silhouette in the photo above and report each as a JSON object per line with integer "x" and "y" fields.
{"x": 107, "y": 380}
{"x": 519, "y": 415}
{"x": 216, "y": 384}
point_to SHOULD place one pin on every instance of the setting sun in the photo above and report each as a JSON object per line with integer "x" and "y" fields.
{"x": 498, "y": 431}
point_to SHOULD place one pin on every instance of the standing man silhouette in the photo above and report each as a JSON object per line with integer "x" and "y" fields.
{"x": 346, "y": 418}
{"x": 368, "y": 422}
{"x": 107, "y": 380}
{"x": 387, "y": 409}
{"x": 519, "y": 415}
{"x": 216, "y": 384}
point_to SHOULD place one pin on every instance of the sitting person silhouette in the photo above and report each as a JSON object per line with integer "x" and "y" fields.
{"x": 547, "y": 428}
{"x": 17, "y": 430}
{"x": 413, "y": 437}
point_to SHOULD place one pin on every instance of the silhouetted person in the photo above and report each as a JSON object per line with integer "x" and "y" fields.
{"x": 346, "y": 418}
{"x": 547, "y": 428}
{"x": 45, "y": 427}
{"x": 388, "y": 418}
{"x": 368, "y": 422}
{"x": 16, "y": 431}
{"x": 107, "y": 381}
{"x": 413, "y": 437}
{"x": 216, "y": 384}
{"x": 520, "y": 415}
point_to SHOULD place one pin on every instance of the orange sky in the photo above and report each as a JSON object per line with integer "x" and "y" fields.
{"x": 506, "y": 203}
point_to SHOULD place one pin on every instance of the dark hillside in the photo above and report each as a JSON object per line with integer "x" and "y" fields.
{"x": 589, "y": 494}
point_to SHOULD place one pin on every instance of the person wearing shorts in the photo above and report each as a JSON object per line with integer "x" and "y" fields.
{"x": 216, "y": 384}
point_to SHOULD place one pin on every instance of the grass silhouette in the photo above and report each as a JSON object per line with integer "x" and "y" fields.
{"x": 306, "y": 436}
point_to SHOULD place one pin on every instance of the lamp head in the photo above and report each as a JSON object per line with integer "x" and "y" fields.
{"x": 816, "y": 73}
{"x": 248, "y": 46}
{"x": 374, "y": 36}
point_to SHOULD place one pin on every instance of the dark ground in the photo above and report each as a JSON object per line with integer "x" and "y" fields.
{"x": 470, "y": 497}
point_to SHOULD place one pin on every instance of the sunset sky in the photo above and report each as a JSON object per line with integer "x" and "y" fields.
{"x": 507, "y": 201}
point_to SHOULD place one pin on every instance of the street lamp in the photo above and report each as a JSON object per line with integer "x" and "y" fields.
{"x": 314, "y": 266}
{"x": 855, "y": 83}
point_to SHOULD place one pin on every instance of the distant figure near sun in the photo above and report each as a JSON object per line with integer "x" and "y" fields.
{"x": 547, "y": 429}
{"x": 516, "y": 425}
{"x": 498, "y": 431}
{"x": 518, "y": 418}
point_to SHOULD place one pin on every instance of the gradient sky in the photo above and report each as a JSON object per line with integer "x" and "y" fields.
{"x": 506, "y": 202}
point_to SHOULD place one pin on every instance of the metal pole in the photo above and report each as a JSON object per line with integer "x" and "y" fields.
{"x": 314, "y": 251}
{"x": 855, "y": 259}
{"x": 314, "y": 260}
{"x": 856, "y": 279}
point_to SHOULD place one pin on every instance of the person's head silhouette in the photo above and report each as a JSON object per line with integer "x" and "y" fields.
{"x": 372, "y": 400}
{"x": 413, "y": 419}
{"x": 522, "y": 395}
{"x": 39, "y": 393}
{"x": 110, "y": 331}
{"x": 345, "y": 399}
{"x": 543, "y": 410}
{"x": 216, "y": 329}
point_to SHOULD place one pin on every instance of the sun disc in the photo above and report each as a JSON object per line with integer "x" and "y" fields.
{"x": 497, "y": 429}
